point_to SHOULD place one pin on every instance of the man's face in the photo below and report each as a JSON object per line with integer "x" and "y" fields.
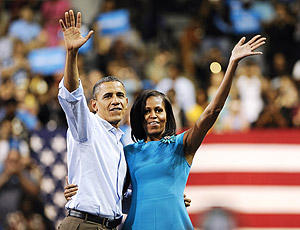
{"x": 111, "y": 102}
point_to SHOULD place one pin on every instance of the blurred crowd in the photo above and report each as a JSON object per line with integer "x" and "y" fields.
{"x": 180, "y": 47}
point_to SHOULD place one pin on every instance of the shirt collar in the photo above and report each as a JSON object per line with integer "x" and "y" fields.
{"x": 109, "y": 126}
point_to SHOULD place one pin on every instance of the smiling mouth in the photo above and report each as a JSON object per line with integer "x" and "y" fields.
{"x": 153, "y": 123}
{"x": 116, "y": 109}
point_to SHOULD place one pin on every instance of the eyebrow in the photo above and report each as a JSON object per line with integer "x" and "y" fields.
{"x": 117, "y": 93}
{"x": 156, "y": 107}
{"x": 107, "y": 94}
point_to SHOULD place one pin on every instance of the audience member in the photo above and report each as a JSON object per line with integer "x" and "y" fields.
{"x": 52, "y": 11}
{"x": 190, "y": 41}
{"x": 27, "y": 29}
{"x": 279, "y": 66}
{"x": 15, "y": 181}
{"x": 250, "y": 87}
{"x": 287, "y": 98}
{"x": 217, "y": 26}
{"x": 179, "y": 114}
{"x": 271, "y": 117}
{"x": 156, "y": 68}
{"x": 183, "y": 87}
{"x": 280, "y": 32}
{"x": 194, "y": 112}
{"x": 17, "y": 66}
{"x": 235, "y": 120}
{"x": 210, "y": 57}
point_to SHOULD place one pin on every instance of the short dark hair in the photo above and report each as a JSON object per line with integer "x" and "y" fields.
{"x": 137, "y": 115}
{"x": 103, "y": 80}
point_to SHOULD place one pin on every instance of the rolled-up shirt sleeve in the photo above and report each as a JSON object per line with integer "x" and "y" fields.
{"x": 76, "y": 110}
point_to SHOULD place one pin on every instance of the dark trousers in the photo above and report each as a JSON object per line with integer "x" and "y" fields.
{"x": 74, "y": 223}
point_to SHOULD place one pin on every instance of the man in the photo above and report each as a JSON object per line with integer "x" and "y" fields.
{"x": 96, "y": 161}
{"x": 183, "y": 87}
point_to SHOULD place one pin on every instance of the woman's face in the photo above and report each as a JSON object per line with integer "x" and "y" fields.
{"x": 155, "y": 118}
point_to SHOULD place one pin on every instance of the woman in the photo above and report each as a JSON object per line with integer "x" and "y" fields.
{"x": 159, "y": 161}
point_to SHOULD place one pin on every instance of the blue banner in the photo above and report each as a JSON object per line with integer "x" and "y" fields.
{"x": 114, "y": 22}
{"x": 88, "y": 46}
{"x": 244, "y": 21}
{"x": 47, "y": 61}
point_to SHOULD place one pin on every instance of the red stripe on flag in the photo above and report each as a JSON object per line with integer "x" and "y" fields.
{"x": 288, "y": 136}
{"x": 244, "y": 178}
{"x": 258, "y": 220}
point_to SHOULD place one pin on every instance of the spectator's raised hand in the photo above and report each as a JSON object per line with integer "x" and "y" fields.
{"x": 242, "y": 50}
{"x": 71, "y": 30}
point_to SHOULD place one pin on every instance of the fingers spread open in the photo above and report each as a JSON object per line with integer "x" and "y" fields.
{"x": 242, "y": 40}
{"x": 256, "y": 53}
{"x": 67, "y": 19}
{"x": 87, "y": 37}
{"x": 252, "y": 40}
{"x": 62, "y": 25}
{"x": 78, "y": 25}
{"x": 258, "y": 43}
{"x": 72, "y": 18}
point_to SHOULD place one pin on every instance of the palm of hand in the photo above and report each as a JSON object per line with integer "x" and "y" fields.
{"x": 241, "y": 51}
{"x": 73, "y": 38}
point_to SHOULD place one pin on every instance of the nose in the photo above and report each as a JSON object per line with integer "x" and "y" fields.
{"x": 115, "y": 100}
{"x": 153, "y": 114}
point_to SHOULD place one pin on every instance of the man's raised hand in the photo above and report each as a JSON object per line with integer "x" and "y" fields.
{"x": 71, "y": 30}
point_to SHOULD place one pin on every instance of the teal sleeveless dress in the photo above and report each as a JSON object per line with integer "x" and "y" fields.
{"x": 159, "y": 173}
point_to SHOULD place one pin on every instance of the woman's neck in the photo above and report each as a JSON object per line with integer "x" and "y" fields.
{"x": 153, "y": 138}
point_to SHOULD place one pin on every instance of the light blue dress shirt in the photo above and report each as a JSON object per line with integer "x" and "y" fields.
{"x": 96, "y": 161}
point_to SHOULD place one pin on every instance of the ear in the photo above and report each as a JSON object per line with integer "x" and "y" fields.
{"x": 94, "y": 105}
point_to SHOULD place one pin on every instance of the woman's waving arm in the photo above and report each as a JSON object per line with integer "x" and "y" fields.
{"x": 194, "y": 136}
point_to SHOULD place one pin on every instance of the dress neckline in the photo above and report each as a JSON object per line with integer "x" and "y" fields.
{"x": 165, "y": 139}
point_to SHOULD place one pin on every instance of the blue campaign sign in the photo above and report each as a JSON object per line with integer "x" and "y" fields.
{"x": 88, "y": 46}
{"x": 244, "y": 21}
{"x": 114, "y": 22}
{"x": 47, "y": 61}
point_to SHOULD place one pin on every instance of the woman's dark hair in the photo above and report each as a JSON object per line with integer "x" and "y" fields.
{"x": 137, "y": 115}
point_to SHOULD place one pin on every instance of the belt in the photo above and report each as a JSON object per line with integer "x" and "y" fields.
{"x": 109, "y": 223}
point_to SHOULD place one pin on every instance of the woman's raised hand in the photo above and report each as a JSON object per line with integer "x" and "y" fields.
{"x": 242, "y": 50}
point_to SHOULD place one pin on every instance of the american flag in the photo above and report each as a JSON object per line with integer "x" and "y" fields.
{"x": 254, "y": 175}
{"x": 50, "y": 152}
